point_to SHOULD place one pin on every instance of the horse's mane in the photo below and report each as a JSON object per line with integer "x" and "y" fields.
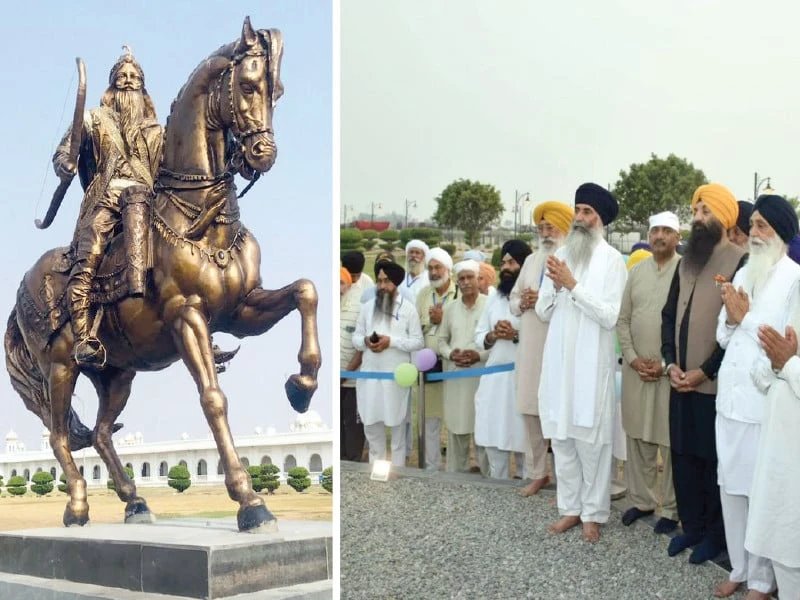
{"x": 225, "y": 51}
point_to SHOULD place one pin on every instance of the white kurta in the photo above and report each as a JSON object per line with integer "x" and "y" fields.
{"x": 497, "y": 422}
{"x": 412, "y": 286}
{"x": 577, "y": 392}
{"x": 382, "y": 400}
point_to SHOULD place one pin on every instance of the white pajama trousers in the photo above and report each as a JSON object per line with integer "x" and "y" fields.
{"x": 433, "y": 444}
{"x": 788, "y": 581}
{"x": 755, "y": 570}
{"x": 376, "y": 436}
{"x": 499, "y": 463}
{"x": 583, "y": 471}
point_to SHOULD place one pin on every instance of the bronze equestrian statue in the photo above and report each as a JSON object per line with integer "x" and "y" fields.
{"x": 175, "y": 263}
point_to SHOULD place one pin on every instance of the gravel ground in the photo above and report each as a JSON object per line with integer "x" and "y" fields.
{"x": 462, "y": 537}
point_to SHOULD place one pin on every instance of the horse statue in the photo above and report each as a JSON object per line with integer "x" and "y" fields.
{"x": 204, "y": 278}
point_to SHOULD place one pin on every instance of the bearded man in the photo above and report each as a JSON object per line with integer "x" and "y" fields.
{"x": 645, "y": 390}
{"x": 762, "y": 293}
{"x": 740, "y": 233}
{"x": 416, "y": 275}
{"x": 553, "y": 221}
{"x": 120, "y": 147}
{"x": 499, "y": 428}
{"x": 387, "y": 332}
{"x": 459, "y": 351}
{"x": 580, "y": 298}
{"x": 431, "y": 302}
{"x": 693, "y": 357}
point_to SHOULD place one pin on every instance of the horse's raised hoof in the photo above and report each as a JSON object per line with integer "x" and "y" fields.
{"x": 137, "y": 512}
{"x": 256, "y": 519}
{"x": 299, "y": 389}
{"x": 73, "y": 519}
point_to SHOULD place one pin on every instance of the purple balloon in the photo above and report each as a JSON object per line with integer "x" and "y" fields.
{"x": 425, "y": 359}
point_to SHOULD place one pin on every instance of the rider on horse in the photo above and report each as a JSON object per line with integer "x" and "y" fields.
{"x": 121, "y": 144}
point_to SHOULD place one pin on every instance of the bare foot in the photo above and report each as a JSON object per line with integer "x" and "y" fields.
{"x": 756, "y": 595}
{"x": 563, "y": 524}
{"x": 591, "y": 532}
{"x": 726, "y": 588}
{"x": 534, "y": 486}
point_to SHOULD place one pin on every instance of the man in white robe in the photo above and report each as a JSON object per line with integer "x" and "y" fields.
{"x": 581, "y": 298}
{"x": 459, "y": 351}
{"x": 498, "y": 426}
{"x": 553, "y": 220}
{"x": 761, "y": 294}
{"x": 387, "y": 332}
{"x": 354, "y": 262}
{"x": 773, "y": 518}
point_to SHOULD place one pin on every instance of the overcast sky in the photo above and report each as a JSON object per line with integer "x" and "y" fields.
{"x": 289, "y": 210}
{"x": 542, "y": 96}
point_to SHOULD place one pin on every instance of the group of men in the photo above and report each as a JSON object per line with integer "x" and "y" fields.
{"x": 710, "y": 373}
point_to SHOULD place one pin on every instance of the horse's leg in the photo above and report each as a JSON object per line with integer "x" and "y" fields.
{"x": 190, "y": 332}
{"x": 61, "y": 382}
{"x": 262, "y": 308}
{"x": 113, "y": 389}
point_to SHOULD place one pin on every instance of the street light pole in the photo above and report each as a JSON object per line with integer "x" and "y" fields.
{"x": 517, "y": 198}
{"x": 372, "y": 219}
{"x": 757, "y": 184}
{"x": 413, "y": 204}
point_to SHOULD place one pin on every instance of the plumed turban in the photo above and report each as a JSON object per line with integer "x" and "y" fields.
{"x": 393, "y": 271}
{"x": 600, "y": 199}
{"x": 720, "y": 201}
{"x": 745, "y": 212}
{"x": 558, "y": 214}
{"x": 467, "y": 265}
{"x": 440, "y": 255}
{"x": 779, "y": 214}
{"x": 637, "y": 256}
{"x": 353, "y": 261}
{"x": 344, "y": 275}
{"x": 517, "y": 249}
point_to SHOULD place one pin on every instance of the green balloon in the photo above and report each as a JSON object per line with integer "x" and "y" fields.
{"x": 405, "y": 374}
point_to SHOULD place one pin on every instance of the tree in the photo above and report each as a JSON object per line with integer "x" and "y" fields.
{"x": 255, "y": 478}
{"x": 42, "y": 483}
{"x": 471, "y": 206}
{"x": 62, "y": 487}
{"x": 389, "y": 238}
{"x": 17, "y": 486}
{"x": 299, "y": 479}
{"x": 327, "y": 479}
{"x": 269, "y": 476}
{"x": 655, "y": 186}
{"x": 178, "y": 478}
{"x": 350, "y": 239}
{"x": 110, "y": 483}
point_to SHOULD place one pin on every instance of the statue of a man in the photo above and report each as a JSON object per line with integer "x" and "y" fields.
{"x": 121, "y": 144}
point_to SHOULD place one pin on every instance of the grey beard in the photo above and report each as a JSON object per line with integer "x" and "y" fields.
{"x": 384, "y": 303}
{"x": 130, "y": 106}
{"x": 414, "y": 268}
{"x": 548, "y": 247}
{"x": 580, "y": 244}
{"x": 761, "y": 259}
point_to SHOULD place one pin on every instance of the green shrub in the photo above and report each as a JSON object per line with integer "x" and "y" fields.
{"x": 269, "y": 476}
{"x": 369, "y": 234}
{"x": 255, "y": 477}
{"x": 17, "y": 486}
{"x": 427, "y": 234}
{"x": 42, "y": 483}
{"x": 178, "y": 478}
{"x": 526, "y": 237}
{"x": 62, "y": 487}
{"x": 449, "y": 248}
{"x": 299, "y": 479}
{"x": 350, "y": 239}
{"x": 327, "y": 479}
{"x": 496, "y": 258}
{"x": 110, "y": 483}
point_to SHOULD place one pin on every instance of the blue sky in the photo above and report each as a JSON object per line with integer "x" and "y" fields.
{"x": 290, "y": 210}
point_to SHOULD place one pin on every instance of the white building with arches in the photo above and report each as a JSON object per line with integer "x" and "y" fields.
{"x": 308, "y": 443}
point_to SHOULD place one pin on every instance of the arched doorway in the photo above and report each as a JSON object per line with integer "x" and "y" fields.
{"x": 289, "y": 463}
{"x": 315, "y": 464}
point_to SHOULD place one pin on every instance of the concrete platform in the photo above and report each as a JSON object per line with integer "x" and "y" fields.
{"x": 195, "y": 558}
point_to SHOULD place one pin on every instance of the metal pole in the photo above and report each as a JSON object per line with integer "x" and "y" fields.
{"x": 516, "y": 204}
{"x": 372, "y": 218}
{"x": 421, "y": 422}
{"x": 406, "y": 226}
{"x": 755, "y": 185}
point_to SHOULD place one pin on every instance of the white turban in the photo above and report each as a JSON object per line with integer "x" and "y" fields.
{"x": 442, "y": 256}
{"x": 475, "y": 255}
{"x": 417, "y": 244}
{"x": 467, "y": 265}
{"x": 666, "y": 219}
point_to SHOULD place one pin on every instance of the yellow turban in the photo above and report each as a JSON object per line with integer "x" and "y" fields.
{"x": 344, "y": 275}
{"x": 558, "y": 214}
{"x": 720, "y": 200}
{"x": 638, "y": 256}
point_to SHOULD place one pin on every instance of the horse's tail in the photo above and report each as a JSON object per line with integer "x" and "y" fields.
{"x": 31, "y": 385}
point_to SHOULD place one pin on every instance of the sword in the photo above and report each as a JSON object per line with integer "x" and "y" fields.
{"x": 74, "y": 146}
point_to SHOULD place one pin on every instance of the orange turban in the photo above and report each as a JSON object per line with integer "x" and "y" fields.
{"x": 720, "y": 200}
{"x": 344, "y": 275}
{"x": 488, "y": 272}
{"x": 558, "y": 214}
{"x": 638, "y": 256}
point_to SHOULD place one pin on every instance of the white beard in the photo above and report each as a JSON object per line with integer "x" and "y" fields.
{"x": 548, "y": 249}
{"x": 580, "y": 244}
{"x": 414, "y": 267}
{"x": 763, "y": 256}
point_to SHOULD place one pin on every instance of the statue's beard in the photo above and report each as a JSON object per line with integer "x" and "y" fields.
{"x": 130, "y": 106}
{"x": 702, "y": 241}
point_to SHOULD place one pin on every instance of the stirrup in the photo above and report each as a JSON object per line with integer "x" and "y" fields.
{"x": 90, "y": 352}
